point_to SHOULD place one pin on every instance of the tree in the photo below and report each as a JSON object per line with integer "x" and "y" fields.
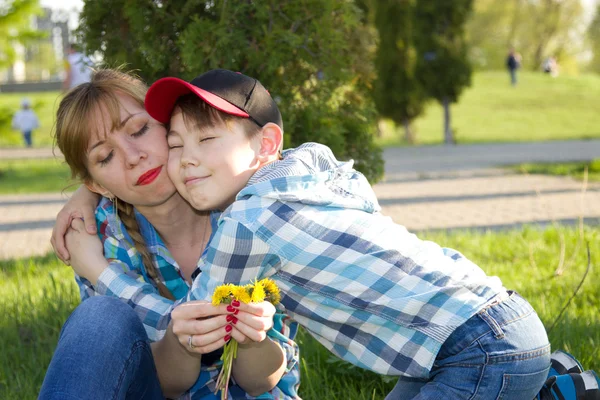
{"x": 594, "y": 38}
{"x": 312, "y": 55}
{"x": 398, "y": 94}
{"x": 536, "y": 29}
{"x": 15, "y": 27}
{"x": 443, "y": 67}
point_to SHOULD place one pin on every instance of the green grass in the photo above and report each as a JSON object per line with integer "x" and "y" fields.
{"x": 539, "y": 108}
{"x": 572, "y": 169}
{"x": 34, "y": 176}
{"x": 43, "y": 103}
{"x": 37, "y": 295}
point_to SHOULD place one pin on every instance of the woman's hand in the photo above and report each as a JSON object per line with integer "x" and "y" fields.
{"x": 81, "y": 205}
{"x": 86, "y": 251}
{"x": 252, "y": 322}
{"x": 210, "y": 327}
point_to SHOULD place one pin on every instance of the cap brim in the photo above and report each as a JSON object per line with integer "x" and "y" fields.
{"x": 162, "y": 95}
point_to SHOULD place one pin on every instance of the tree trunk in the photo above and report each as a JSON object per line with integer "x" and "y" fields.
{"x": 408, "y": 133}
{"x": 448, "y": 134}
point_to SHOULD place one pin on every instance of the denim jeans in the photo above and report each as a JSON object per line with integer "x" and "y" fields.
{"x": 103, "y": 353}
{"x": 500, "y": 353}
{"x": 27, "y": 138}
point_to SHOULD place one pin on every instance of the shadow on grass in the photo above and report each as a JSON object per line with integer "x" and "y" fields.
{"x": 37, "y": 264}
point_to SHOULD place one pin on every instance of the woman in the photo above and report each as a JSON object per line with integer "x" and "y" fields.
{"x": 149, "y": 235}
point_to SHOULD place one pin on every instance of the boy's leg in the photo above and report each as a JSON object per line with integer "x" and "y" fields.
{"x": 406, "y": 389}
{"x": 102, "y": 353}
{"x": 501, "y": 352}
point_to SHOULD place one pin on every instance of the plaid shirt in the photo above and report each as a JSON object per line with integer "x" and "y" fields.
{"x": 126, "y": 279}
{"x": 367, "y": 289}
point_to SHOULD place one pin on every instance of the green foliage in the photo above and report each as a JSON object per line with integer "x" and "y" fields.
{"x": 397, "y": 92}
{"x": 306, "y": 52}
{"x": 14, "y": 26}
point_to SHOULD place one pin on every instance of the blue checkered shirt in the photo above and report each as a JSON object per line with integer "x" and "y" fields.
{"x": 367, "y": 289}
{"x": 126, "y": 279}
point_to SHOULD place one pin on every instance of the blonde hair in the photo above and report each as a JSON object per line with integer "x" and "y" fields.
{"x": 72, "y": 136}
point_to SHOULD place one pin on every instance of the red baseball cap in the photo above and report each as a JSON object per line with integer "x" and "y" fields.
{"x": 231, "y": 92}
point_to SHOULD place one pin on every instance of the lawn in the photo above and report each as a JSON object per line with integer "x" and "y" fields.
{"x": 43, "y": 103}
{"x": 539, "y": 108}
{"x": 572, "y": 169}
{"x": 38, "y": 294}
{"x": 34, "y": 176}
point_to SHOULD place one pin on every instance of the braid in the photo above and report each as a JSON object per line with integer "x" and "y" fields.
{"x": 125, "y": 211}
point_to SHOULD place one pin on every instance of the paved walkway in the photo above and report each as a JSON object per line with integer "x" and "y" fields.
{"x": 425, "y": 188}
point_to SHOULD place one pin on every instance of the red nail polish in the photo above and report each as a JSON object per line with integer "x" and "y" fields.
{"x": 233, "y": 320}
{"x": 231, "y": 309}
{"x": 235, "y": 303}
{"x": 230, "y": 318}
{"x": 226, "y": 338}
{"x": 236, "y": 311}
{"x": 228, "y": 328}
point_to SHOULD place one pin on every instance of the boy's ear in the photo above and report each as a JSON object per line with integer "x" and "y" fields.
{"x": 97, "y": 188}
{"x": 271, "y": 141}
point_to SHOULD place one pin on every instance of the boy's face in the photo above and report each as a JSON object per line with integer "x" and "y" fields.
{"x": 210, "y": 166}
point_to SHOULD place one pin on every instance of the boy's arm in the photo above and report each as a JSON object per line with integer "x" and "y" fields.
{"x": 236, "y": 255}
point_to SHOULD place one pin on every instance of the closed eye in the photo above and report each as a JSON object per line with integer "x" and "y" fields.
{"x": 107, "y": 159}
{"x": 141, "y": 131}
{"x": 206, "y": 139}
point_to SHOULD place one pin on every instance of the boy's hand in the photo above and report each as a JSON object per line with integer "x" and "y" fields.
{"x": 81, "y": 205}
{"x": 87, "y": 253}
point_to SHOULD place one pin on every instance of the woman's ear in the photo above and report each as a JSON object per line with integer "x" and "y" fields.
{"x": 97, "y": 188}
{"x": 271, "y": 141}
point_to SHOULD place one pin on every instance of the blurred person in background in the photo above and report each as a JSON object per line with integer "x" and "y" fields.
{"x": 25, "y": 120}
{"x": 513, "y": 63}
{"x": 78, "y": 67}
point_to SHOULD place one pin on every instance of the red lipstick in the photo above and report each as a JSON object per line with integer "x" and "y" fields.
{"x": 149, "y": 176}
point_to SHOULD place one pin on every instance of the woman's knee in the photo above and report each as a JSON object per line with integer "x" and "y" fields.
{"x": 105, "y": 317}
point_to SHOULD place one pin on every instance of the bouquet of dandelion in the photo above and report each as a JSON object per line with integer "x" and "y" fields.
{"x": 256, "y": 292}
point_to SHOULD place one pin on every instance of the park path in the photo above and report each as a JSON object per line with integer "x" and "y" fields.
{"x": 426, "y": 188}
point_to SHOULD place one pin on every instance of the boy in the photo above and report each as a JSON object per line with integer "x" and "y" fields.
{"x": 25, "y": 121}
{"x": 367, "y": 289}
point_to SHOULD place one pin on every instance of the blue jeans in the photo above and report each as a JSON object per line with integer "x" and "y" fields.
{"x": 500, "y": 353}
{"x": 102, "y": 353}
{"x": 513, "y": 77}
{"x": 27, "y": 138}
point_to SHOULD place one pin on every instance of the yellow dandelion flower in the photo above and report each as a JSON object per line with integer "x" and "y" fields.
{"x": 240, "y": 293}
{"x": 258, "y": 292}
{"x": 222, "y": 294}
{"x": 271, "y": 290}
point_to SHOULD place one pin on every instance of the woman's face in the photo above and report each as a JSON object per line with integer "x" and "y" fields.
{"x": 130, "y": 161}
